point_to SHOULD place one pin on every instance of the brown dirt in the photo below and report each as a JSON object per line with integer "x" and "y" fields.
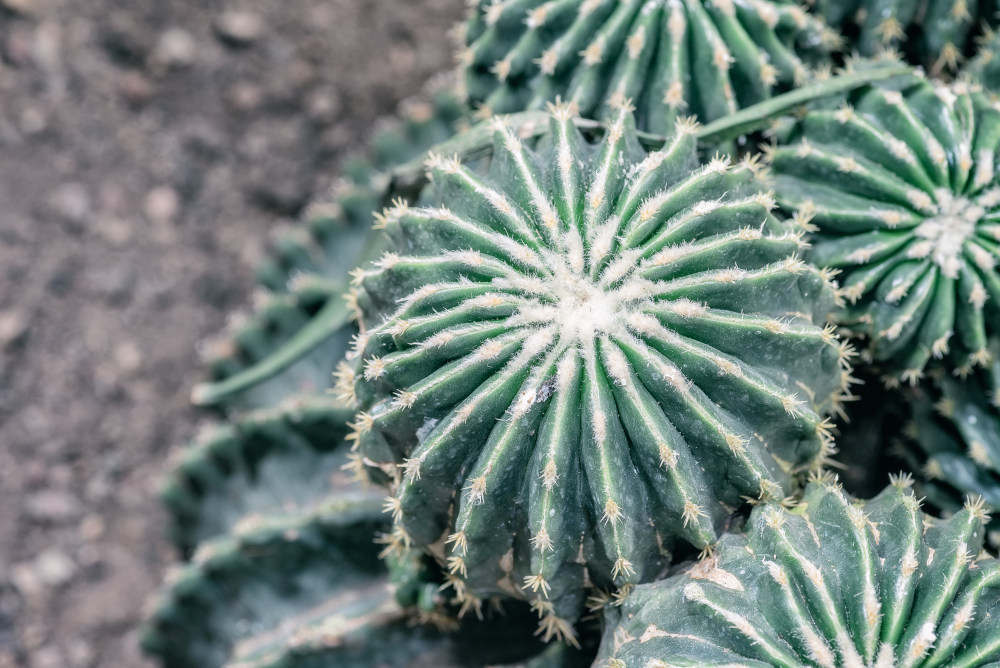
{"x": 146, "y": 149}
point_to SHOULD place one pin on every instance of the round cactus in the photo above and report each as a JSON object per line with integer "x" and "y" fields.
{"x": 953, "y": 442}
{"x": 934, "y": 33}
{"x": 705, "y": 58}
{"x": 583, "y": 353}
{"x": 832, "y": 583}
{"x": 900, "y": 189}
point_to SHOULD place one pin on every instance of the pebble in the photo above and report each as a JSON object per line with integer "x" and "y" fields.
{"x": 239, "y": 28}
{"x": 51, "y": 505}
{"x": 54, "y": 568}
{"x": 162, "y": 204}
{"x": 71, "y": 202}
{"x": 13, "y": 326}
{"x": 175, "y": 49}
{"x": 135, "y": 88}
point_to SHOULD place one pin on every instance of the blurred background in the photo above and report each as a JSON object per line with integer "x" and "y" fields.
{"x": 147, "y": 148}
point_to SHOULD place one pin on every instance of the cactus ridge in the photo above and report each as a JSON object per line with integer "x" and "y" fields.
{"x": 832, "y": 583}
{"x": 269, "y": 459}
{"x": 937, "y": 34}
{"x": 900, "y": 191}
{"x": 705, "y": 58}
{"x": 626, "y": 341}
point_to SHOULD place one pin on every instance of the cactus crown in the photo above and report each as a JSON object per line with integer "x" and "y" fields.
{"x": 701, "y": 57}
{"x": 900, "y": 188}
{"x": 588, "y": 353}
{"x": 833, "y": 583}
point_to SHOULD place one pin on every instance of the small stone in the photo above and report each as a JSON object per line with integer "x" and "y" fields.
{"x": 13, "y": 326}
{"x": 128, "y": 356}
{"x": 239, "y": 28}
{"x": 51, "y": 505}
{"x": 162, "y": 204}
{"x": 71, "y": 202}
{"x": 176, "y": 48}
{"x": 322, "y": 106}
{"x": 54, "y": 568}
{"x": 92, "y": 527}
{"x": 135, "y": 88}
{"x": 244, "y": 96}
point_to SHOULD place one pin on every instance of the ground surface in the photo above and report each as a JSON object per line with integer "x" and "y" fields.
{"x": 146, "y": 148}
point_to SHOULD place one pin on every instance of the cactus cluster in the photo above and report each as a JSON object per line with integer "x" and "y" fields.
{"x": 672, "y": 58}
{"x": 833, "y": 583}
{"x": 900, "y": 191}
{"x": 598, "y": 354}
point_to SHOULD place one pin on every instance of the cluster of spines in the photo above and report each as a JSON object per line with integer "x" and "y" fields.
{"x": 702, "y": 57}
{"x": 832, "y": 582}
{"x": 900, "y": 195}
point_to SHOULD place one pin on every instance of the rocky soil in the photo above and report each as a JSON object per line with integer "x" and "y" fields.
{"x": 147, "y": 147}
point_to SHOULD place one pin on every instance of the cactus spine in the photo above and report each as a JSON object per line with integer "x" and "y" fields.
{"x": 705, "y": 58}
{"x": 584, "y": 353}
{"x": 899, "y": 188}
{"x": 831, "y": 583}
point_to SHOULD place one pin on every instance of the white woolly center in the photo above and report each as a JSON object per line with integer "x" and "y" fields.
{"x": 583, "y": 309}
{"x": 948, "y": 231}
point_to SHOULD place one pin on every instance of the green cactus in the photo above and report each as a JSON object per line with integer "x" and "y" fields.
{"x": 582, "y": 353}
{"x": 301, "y": 325}
{"x": 937, "y": 34}
{"x": 705, "y": 58}
{"x": 984, "y": 67}
{"x": 953, "y": 442}
{"x": 833, "y": 583}
{"x": 900, "y": 191}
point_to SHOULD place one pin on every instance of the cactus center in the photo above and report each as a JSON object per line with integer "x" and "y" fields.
{"x": 583, "y": 309}
{"x": 946, "y": 233}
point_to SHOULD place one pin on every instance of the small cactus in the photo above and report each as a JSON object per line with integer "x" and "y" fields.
{"x": 934, "y": 33}
{"x": 583, "y": 351}
{"x": 953, "y": 442}
{"x": 833, "y": 583}
{"x": 900, "y": 190}
{"x": 705, "y": 58}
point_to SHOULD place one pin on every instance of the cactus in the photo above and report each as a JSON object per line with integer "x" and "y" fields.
{"x": 583, "y": 351}
{"x": 705, "y": 58}
{"x": 953, "y": 442}
{"x": 984, "y": 67}
{"x": 899, "y": 188}
{"x": 937, "y": 34}
{"x": 301, "y": 325}
{"x": 832, "y": 583}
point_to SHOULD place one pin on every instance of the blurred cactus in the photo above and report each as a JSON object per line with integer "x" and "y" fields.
{"x": 674, "y": 58}
{"x": 582, "y": 353}
{"x": 900, "y": 192}
{"x": 831, "y": 583}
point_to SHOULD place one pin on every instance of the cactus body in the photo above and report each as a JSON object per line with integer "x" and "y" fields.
{"x": 834, "y": 583}
{"x": 900, "y": 189}
{"x": 953, "y": 444}
{"x": 584, "y": 353}
{"x": 984, "y": 67}
{"x": 673, "y": 58}
{"x": 937, "y": 34}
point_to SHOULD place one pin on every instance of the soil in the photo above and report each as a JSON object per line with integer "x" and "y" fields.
{"x": 147, "y": 149}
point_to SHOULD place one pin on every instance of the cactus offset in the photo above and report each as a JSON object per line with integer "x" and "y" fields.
{"x": 833, "y": 583}
{"x": 953, "y": 444}
{"x": 901, "y": 191}
{"x": 933, "y": 33}
{"x": 588, "y": 351}
{"x": 705, "y": 58}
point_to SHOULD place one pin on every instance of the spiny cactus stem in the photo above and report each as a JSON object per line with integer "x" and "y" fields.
{"x": 409, "y": 178}
{"x": 331, "y": 318}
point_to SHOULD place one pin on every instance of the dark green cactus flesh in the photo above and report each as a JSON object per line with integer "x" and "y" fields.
{"x": 674, "y": 58}
{"x": 584, "y": 354}
{"x": 953, "y": 443}
{"x": 833, "y": 583}
{"x": 937, "y": 34}
{"x": 901, "y": 191}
